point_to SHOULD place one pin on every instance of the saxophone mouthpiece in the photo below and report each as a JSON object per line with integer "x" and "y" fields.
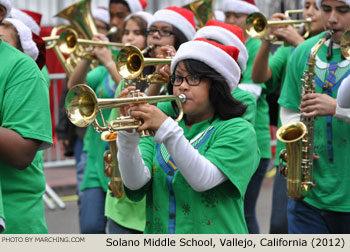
{"x": 329, "y": 34}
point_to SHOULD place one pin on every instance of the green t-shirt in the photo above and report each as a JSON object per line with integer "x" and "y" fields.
{"x": 331, "y": 135}
{"x": 127, "y": 213}
{"x": 262, "y": 121}
{"x": 104, "y": 86}
{"x": 46, "y": 75}
{"x": 24, "y": 108}
{"x": 232, "y": 147}
{"x": 2, "y": 215}
{"x": 249, "y": 100}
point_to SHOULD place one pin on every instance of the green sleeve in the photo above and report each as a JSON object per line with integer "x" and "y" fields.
{"x": 249, "y": 100}
{"x": 46, "y": 75}
{"x": 26, "y": 89}
{"x": 235, "y": 152}
{"x": 114, "y": 112}
{"x": 94, "y": 77}
{"x": 290, "y": 93}
{"x": 278, "y": 64}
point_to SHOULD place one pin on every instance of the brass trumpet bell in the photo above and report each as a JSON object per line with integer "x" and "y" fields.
{"x": 130, "y": 62}
{"x": 82, "y": 107}
{"x": 68, "y": 41}
{"x": 257, "y": 25}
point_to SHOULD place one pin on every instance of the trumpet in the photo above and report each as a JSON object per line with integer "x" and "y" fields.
{"x": 68, "y": 41}
{"x": 257, "y": 25}
{"x": 130, "y": 62}
{"x": 82, "y": 107}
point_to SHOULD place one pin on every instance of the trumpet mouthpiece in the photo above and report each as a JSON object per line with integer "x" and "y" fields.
{"x": 182, "y": 98}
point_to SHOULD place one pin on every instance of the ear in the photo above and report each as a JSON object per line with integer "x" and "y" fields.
{"x": 3, "y": 12}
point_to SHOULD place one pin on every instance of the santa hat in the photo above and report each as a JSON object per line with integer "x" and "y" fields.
{"x": 8, "y": 5}
{"x": 29, "y": 18}
{"x": 25, "y": 37}
{"x": 219, "y": 57}
{"x": 226, "y": 34}
{"x": 318, "y": 3}
{"x": 41, "y": 45}
{"x": 147, "y": 17}
{"x": 178, "y": 17}
{"x": 136, "y": 5}
{"x": 240, "y": 6}
{"x": 102, "y": 14}
{"x": 219, "y": 15}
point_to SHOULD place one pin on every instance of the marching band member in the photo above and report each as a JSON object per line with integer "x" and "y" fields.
{"x": 5, "y": 7}
{"x": 126, "y": 216}
{"x": 25, "y": 129}
{"x": 326, "y": 209}
{"x": 191, "y": 171}
{"x": 119, "y": 10}
{"x": 170, "y": 27}
{"x": 104, "y": 81}
{"x": 236, "y": 12}
{"x": 271, "y": 71}
{"x": 232, "y": 35}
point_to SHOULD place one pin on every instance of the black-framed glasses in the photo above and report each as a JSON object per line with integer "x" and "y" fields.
{"x": 162, "y": 33}
{"x": 192, "y": 80}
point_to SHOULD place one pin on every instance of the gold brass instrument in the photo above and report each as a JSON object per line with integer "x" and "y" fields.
{"x": 68, "y": 41}
{"x": 203, "y": 10}
{"x": 345, "y": 44}
{"x": 82, "y": 107}
{"x": 299, "y": 137}
{"x": 80, "y": 17}
{"x": 257, "y": 25}
{"x": 115, "y": 184}
{"x": 130, "y": 62}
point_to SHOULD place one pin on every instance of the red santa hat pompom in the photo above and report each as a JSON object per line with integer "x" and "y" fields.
{"x": 240, "y": 6}
{"x": 226, "y": 34}
{"x": 8, "y": 5}
{"x": 29, "y": 18}
{"x": 25, "y": 36}
{"x": 223, "y": 59}
{"x": 178, "y": 17}
{"x": 136, "y": 5}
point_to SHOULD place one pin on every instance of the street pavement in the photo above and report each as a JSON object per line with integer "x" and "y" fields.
{"x": 66, "y": 221}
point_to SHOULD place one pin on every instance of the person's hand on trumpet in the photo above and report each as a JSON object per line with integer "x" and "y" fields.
{"x": 151, "y": 116}
{"x": 103, "y": 54}
{"x": 286, "y": 33}
{"x": 164, "y": 52}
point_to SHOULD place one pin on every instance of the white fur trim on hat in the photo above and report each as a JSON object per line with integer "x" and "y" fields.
{"x": 8, "y": 5}
{"x": 26, "y": 19}
{"x": 212, "y": 56}
{"x": 25, "y": 36}
{"x": 134, "y": 5}
{"x": 318, "y": 3}
{"x": 101, "y": 14}
{"x": 148, "y": 17}
{"x": 220, "y": 16}
{"x": 239, "y": 6}
{"x": 225, "y": 37}
{"x": 175, "y": 19}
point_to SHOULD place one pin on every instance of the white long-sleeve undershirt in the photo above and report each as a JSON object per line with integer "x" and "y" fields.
{"x": 199, "y": 172}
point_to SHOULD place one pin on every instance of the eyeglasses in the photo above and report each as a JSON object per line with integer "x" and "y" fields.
{"x": 192, "y": 80}
{"x": 162, "y": 33}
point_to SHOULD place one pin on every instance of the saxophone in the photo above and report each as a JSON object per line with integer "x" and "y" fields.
{"x": 296, "y": 161}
